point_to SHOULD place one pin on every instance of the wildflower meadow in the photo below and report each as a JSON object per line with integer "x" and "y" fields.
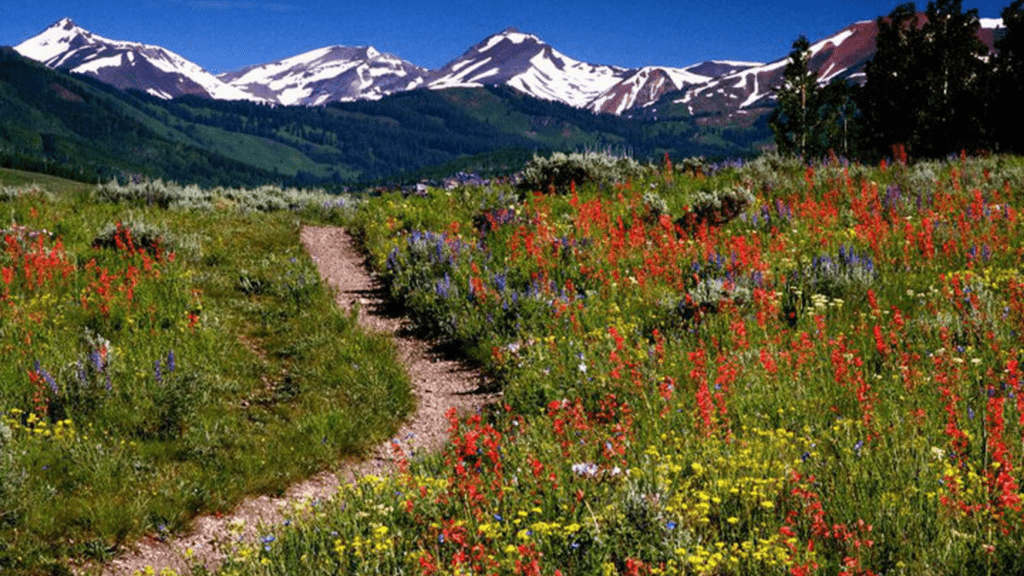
{"x": 771, "y": 367}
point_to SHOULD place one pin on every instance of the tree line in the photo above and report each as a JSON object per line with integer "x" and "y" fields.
{"x": 932, "y": 88}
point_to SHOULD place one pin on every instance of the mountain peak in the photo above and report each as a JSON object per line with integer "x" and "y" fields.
{"x": 65, "y": 24}
{"x": 510, "y": 34}
{"x": 56, "y": 40}
{"x": 66, "y": 46}
{"x": 331, "y": 74}
{"x": 525, "y": 62}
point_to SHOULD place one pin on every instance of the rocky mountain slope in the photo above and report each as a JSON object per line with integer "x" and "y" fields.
{"x": 68, "y": 47}
{"x": 720, "y": 88}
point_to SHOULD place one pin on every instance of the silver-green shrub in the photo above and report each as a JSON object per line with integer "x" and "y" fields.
{"x": 558, "y": 171}
{"x": 10, "y": 193}
{"x": 174, "y": 196}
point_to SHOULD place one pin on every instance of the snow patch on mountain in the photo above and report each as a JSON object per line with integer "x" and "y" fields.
{"x": 66, "y": 46}
{"x": 528, "y": 64}
{"x": 510, "y": 58}
{"x": 334, "y": 73}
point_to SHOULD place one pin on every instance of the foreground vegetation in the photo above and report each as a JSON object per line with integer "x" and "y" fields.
{"x": 770, "y": 369}
{"x": 165, "y": 352}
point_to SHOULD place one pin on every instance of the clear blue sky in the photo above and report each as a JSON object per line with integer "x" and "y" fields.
{"x": 222, "y": 35}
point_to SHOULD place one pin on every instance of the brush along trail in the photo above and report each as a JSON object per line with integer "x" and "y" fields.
{"x": 439, "y": 385}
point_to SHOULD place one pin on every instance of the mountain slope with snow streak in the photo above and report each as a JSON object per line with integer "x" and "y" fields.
{"x": 528, "y": 64}
{"x": 331, "y": 74}
{"x": 840, "y": 56}
{"x": 67, "y": 47}
{"x": 645, "y": 86}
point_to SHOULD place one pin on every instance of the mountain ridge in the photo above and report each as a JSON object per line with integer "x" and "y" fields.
{"x": 66, "y": 46}
{"x": 345, "y": 73}
{"x": 722, "y": 89}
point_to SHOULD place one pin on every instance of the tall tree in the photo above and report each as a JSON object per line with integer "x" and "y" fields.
{"x": 841, "y": 118}
{"x": 925, "y": 84}
{"x": 811, "y": 119}
{"x": 1006, "y": 114}
{"x": 794, "y": 121}
{"x": 894, "y": 80}
{"x": 957, "y": 77}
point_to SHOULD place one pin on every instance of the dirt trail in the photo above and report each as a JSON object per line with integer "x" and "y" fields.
{"x": 437, "y": 383}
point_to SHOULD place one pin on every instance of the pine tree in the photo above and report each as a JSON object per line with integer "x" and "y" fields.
{"x": 894, "y": 81}
{"x": 957, "y": 76}
{"x": 795, "y": 118}
{"x": 840, "y": 118}
{"x": 926, "y": 83}
{"x": 810, "y": 119}
{"x": 1006, "y": 114}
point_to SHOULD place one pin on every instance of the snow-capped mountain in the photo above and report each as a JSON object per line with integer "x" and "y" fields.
{"x": 528, "y": 64}
{"x": 332, "y": 74}
{"x": 68, "y": 47}
{"x": 511, "y": 58}
{"x": 644, "y": 86}
{"x": 842, "y": 55}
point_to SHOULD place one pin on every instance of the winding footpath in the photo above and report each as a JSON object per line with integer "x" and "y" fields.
{"x": 439, "y": 384}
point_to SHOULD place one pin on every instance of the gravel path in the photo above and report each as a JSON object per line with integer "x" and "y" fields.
{"x": 438, "y": 384}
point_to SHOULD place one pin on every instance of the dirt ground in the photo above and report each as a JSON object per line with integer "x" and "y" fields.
{"x": 439, "y": 384}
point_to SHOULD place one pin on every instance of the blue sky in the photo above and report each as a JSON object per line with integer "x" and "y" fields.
{"x": 223, "y": 35}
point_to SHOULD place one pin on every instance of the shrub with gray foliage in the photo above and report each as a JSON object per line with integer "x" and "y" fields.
{"x": 557, "y": 172}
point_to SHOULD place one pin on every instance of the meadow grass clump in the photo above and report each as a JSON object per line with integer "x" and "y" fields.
{"x": 695, "y": 166}
{"x": 8, "y": 193}
{"x": 715, "y": 208}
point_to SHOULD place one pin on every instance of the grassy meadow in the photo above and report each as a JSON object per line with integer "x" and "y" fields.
{"x": 766, "y": 368}
{"x": 165, "y": 352}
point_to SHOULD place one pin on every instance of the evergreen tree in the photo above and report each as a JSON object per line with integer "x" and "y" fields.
{"x": 926, "y": 83}
{"x": 840, "y": 118}
{"x": 811, "y": 120}
{"x": 1006, "y": 114}
{"x": 794, "y": 121}
{"x": 957, "y": 77}
{"x": 894, "y": 80}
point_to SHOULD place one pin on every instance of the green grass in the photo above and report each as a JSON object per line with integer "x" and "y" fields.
{"x": 231, "y": 372}
{"x": 21, "y": 179}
